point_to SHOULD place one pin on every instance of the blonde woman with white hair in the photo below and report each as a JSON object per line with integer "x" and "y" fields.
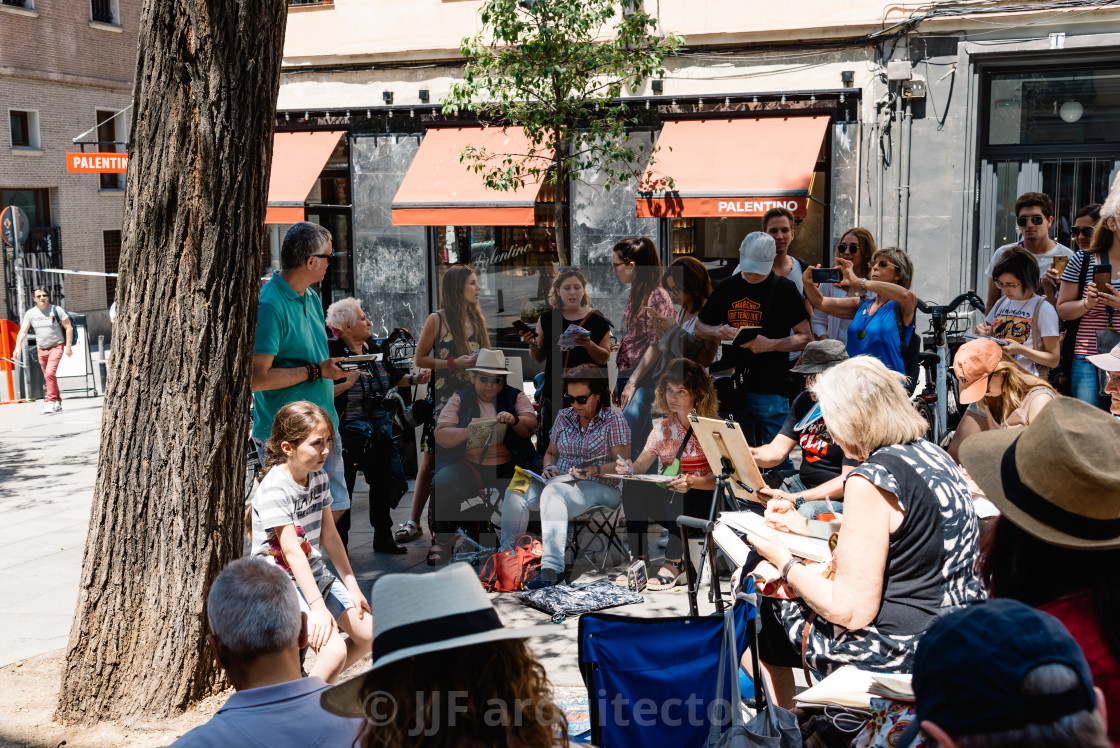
{"x": 907, "y": 546}
{"x": 363, "y": 423}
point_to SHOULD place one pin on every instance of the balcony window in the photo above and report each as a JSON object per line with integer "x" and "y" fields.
{"x": 104, "y": 11}
{"x": 24, "y": 127}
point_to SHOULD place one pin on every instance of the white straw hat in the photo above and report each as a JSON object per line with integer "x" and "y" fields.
{"x": 414, "y": 614}
{"x": 490, "y": 362}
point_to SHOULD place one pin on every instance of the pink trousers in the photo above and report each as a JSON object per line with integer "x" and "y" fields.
{"x": 48, "y": 362}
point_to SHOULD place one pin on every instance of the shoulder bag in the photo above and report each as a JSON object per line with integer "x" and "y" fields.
{"x": 1062, "y": 376}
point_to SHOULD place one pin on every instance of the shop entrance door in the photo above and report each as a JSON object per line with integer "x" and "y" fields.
{"x": 1071, "y": 182}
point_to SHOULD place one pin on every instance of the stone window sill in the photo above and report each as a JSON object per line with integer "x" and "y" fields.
{"x": 22, "y": 150}
{"x": 29, "y": 12}
{"x": 114, "y": 27}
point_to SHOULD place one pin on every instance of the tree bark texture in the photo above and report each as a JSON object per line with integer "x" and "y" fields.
{"x": 168, "y": 497}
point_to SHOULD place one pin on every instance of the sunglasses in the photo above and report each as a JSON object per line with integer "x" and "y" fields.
{"x": 1008, "y": 286}
{"x": 1036, "y": 220}
{"x": 1077, "y": 231}
{"x": 566, "y": 268}
{"x": 41, "y": 296}
{"x": 581, "y": 399}
{"x": 324, "y": 257}
{"x": 882, "y": 264}
{"x": 485, "y": 379}
{"x": 847, "y": 248}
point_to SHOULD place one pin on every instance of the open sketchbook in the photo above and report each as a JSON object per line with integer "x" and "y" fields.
{"x": 854, "y": 688}
{"x": 813, "y": 549}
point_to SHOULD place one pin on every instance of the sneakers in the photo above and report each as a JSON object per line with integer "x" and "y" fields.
{"x": 49, "y": 409}
{"x": 57, "y": 406}
{"x": 546, "y": 578}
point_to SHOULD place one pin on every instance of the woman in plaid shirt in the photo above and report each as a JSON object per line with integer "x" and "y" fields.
{"x": 586, "y": 440}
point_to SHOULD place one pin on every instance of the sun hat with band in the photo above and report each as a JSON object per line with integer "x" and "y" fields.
{"x": 974, "y": 363}
{"x": 970, "y": 666}
{"x": 490, "y": 362}
{"x": 1057, "y": 479}
{"x": 422, "y": 613}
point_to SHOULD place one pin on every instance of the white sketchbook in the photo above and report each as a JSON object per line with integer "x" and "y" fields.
{"x": 813, "y": 549}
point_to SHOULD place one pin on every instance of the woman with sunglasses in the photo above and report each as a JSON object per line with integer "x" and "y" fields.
{"x": 857, "y": 245}
{"x": 1001, "y": 393}
{"x": 448, "y": 347}
{"x": 570, "y": 306}
{"x": 881, "y": 325}
{"x": 637, "y": 264}
{"x": 1084, "y": 223}
{"x": 586, "y": 440}
{"x": 1088, "y": 307}
{"x": 685, "y": 388}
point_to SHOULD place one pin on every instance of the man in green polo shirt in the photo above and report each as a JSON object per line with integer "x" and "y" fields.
{"x": 290, "y": 359}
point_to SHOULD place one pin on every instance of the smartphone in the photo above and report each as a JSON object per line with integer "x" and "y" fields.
{"x": 1059, "y": 263}
{"x": 522, "y": 327}
{"x": 826, "y": 275}
{"x": 1102, "y": 276}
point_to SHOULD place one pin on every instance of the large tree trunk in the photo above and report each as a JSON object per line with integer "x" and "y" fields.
{"x": 168, "y": 497}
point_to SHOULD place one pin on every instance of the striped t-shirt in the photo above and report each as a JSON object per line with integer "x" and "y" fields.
{"x": 1096, "y": 318}
{"x": 281, "y": 501}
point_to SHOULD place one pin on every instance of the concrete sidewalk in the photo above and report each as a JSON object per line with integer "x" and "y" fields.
{"x": 47, "y": 473}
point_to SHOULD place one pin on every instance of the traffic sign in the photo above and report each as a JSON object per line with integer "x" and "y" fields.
{"x": 11, "y": 219}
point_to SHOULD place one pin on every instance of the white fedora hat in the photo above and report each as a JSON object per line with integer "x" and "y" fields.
{"x": 414, "y": 614}
{"x": 490, "y": 362}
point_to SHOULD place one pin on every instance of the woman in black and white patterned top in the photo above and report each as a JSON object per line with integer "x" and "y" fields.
{"x": 906, "y": 549}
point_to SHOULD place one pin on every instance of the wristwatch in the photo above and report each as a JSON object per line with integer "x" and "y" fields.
{"x": 798, "y": 501}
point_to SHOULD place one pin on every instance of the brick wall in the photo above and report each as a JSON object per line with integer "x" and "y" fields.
{"x": 66, "y": 68}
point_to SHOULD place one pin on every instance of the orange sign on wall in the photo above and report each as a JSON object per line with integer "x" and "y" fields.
{"x": 96, "y": 163}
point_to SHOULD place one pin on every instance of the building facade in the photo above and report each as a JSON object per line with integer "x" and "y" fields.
{"x": 931, "y": 122}
{"x": 66, "y": 73}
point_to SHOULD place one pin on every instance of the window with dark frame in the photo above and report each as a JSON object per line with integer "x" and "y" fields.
{"x": 21, "y": 129}
{"x": 111, "y": 241}
{"x": 102, "y": 11}
{"x": 107, "y": 143}
{"x": 16, "y": 3}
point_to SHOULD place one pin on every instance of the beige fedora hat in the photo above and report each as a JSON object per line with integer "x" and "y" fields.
{"x": 1058, "y": 478}
{"x": 414, "y": 614}
{"x": 490, "y": 362}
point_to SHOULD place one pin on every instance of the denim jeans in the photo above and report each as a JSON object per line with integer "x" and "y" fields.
{"x": 639, "y": 416}
{"x": 557, "y": 503}
{"x": 384, "y": 473}
{"x": 336, "y": 471}
{"x": 761, "y": 419}
{"x": 1085, "y": 383}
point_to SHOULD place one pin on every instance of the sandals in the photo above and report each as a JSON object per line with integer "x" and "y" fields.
{"x": 667, "y": 580}
{"x": 440, "y": 556}
{"x": 407, "y": 531}
{"x": 622, "y": 580}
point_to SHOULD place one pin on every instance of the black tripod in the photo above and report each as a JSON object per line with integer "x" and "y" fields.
{"x": 723, "y": 496}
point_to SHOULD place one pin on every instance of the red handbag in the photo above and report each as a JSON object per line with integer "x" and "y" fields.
{"x": 510, "y": 571}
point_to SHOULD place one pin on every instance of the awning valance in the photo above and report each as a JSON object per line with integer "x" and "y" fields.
{"x": 440, "y": 189}
{"x": 297, "y": 160}
{"x": 733, "y": 167}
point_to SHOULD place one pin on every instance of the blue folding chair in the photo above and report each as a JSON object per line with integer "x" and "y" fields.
{"x": 652, "y": 681}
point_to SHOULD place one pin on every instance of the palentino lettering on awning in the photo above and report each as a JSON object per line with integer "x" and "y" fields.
{"x": 739, "y": 167}
{"x": 96, "y": 163}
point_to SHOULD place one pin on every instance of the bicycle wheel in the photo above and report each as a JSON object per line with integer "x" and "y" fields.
{"x": 925, "y": 412}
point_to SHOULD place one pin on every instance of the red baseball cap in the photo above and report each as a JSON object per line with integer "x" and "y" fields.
{"x": 973, "y": 364}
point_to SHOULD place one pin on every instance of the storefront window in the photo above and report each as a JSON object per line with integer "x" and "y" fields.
{"x": 515, "y": 266}
{"x": 1073, "y": 107}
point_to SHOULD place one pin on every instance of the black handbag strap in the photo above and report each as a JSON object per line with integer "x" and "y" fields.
{"x": 684, "y": 443}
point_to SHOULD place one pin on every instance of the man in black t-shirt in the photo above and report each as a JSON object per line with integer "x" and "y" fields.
{"x": 756, "y": 297}
{"x": 823, "y": 462}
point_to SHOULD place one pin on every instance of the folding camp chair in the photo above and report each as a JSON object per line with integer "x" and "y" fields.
{"x": 594, "y": 531}
{"x": 653, "y": 681}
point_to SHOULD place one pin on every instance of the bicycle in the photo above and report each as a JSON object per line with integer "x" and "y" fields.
{"x": 939, "y": 399}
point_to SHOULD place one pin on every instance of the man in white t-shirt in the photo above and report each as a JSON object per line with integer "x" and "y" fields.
{"x": 53, "y": 336}
{"x": 1034, "y": 214}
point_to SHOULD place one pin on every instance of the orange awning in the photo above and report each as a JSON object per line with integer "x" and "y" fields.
{"x": 733, "y": 167}
{"x": 440, "y": 190}
{"x": 297, "y": 160}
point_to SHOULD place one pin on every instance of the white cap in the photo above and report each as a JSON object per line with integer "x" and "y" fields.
{"x": 756, "y": 254}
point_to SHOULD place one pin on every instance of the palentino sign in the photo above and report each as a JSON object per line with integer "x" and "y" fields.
{"x": 669, "y": 206}
{"x": 96, "y": 163}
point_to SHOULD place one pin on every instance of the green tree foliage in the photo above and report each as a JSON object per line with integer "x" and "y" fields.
{"x": 557, "y": 68}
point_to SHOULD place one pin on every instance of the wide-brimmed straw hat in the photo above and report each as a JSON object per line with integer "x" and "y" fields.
{"x": 490, "y": 362}
{"x": 1058, "y": 478}
{"x": 414, "y": 614}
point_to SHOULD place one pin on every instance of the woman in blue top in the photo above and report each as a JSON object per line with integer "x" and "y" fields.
{"x": 882, "y": 311}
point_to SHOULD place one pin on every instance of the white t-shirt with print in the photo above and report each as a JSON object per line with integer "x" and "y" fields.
{"x": 1014, "y": 320}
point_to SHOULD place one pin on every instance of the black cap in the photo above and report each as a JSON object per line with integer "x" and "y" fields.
{"x": 820, "y": 355}
{"x": 970, "y": 665}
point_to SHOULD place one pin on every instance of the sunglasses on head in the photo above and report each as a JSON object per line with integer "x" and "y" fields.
{"x": 581, "y": 399}
{"x": 566, "y": 268}
{"x": 1036, "y": 220}
{"x": 847, "y": 248}
{"x": 1077, "y": 231}
{"x": 491, "y": 379}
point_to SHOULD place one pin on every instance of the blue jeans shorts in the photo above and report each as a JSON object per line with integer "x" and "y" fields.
{"x": 337, "y": 599}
